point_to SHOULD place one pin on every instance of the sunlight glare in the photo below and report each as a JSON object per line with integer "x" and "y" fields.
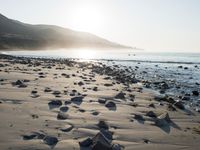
{"x": 87, "y": 17}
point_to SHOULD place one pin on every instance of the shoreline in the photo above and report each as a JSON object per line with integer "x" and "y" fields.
{"x": 65, "y": 104}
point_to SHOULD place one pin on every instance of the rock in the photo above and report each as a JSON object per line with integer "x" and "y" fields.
{"x": 152, "y": 105}
{"x": 55, "y": 102}
{"x": 102, "y": 101}
{"x": 163, "y": 120}
{"x": 95, "y": 113}
{"x": 86, "y": 142}
{"x": 107, "y": 134}
{"x": 170, "y": 107}
{"x": 64, "y": 109}
{"x": 116, "y": 147}
{"x": 47, "y": 89}
{"x": 120, "y": 95}
{"x": 138, "y": 117}
{"x": 101, "y": 143}
{"x": 195, "y": 93}
{"x": 80, "y": 83}
{"x": 107, "y": 84}
{"x": 103, "y": 125}
{"x": 151, "y": 114}
{"x": 179, "y": 105}
{"x": 110, "y": 104}
{"x": 67, "y": 128}
{"x": 68, "y": 102}
{"x": 50, "y": 140}
{"x": 62, "y": 116}
{"x": 19, "y": 83}
{"x": 78, "y": 99}
{"x": 56, "y": 92}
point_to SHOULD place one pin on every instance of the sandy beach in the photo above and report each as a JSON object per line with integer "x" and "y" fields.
{"x": 68, "y": 105}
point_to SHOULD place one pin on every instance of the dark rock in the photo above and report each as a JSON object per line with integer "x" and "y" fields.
{"x": 110, "y": 104}
{"x": 195, "y": 93}
{"x": 62, "y": 116}
{"x": 179, "y": 105}
{"x": 77, "y": 100}
{"x": 64, "y": 109}
{"x": 120, "y": 95}
{"x": 163, "y": 120}
{"x": 86, "y": 142}
{"x": 103, "y": 125}
{"x": 102, "y": 101}
{"x": 152, "y": 105}
{"x": 151, "y": 114}
{"x": 170, "y": 107}
{"x": 116, "y": 147}
{"x": 138, "y": 117}
{"x": 101, "y": 143}
{"x": 67, "y": 128}
{"x": 55, "y": 102}
{"x": 50, "y": 140}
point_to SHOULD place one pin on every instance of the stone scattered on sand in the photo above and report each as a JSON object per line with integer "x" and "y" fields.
{"x": 68, "y": 102}
{"x": 56, "y": 93}
{"x": 179, "y": 105}
{"x": 62, "y": 116}
{"x": 19, "y": 83}
{"x": 110, "y": 104}
{"x": 86, "y": 142}
{"x": 103, "y": 125}
{"x": 163, "y": 120}
{"x": 50, "y": 140}
{"x": 138, "y": 117}
{"x": 170, "y": 107}
{"x": 64, "y": 108}
{"x": 152, "y": 105}
{"x": 77, "y": 99}
{"x": 120, "y": 95}
{"x": 47, "y": 89}
{"x": 55, "y": 102}
{"x": 95, "y": 113}
{"x": 102, "y": 101}
{"x": 67, "y": 128}
{"x": 151, "y": 114}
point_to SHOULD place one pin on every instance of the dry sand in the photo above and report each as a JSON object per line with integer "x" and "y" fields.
{"x": 29, "y": 122}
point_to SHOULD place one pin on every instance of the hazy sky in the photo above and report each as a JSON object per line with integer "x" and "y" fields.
{"x": 150, "y": 24}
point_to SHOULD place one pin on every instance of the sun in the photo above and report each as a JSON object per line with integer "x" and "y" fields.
{"x": 87, "y": 17}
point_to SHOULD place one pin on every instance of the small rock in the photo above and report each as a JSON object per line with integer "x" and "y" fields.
{"x": 103, "y": 125}
{"x": 195, "y": 93}
{"x": 179, "y": 105}
{"x": 50, "y": 140}
{"x": 86, "y": 142}
{"x": 62, "y": 116}
{"x": 151, "y": 114}
{"x": 110, "y": 104}
{"x": 102, "y": 101}
{"x": 120, "y": 95}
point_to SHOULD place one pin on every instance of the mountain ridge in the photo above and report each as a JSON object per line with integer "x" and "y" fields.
{"x": 18, "y": 35}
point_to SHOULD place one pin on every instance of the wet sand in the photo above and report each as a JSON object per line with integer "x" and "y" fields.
{"x": 63, "y": 104}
